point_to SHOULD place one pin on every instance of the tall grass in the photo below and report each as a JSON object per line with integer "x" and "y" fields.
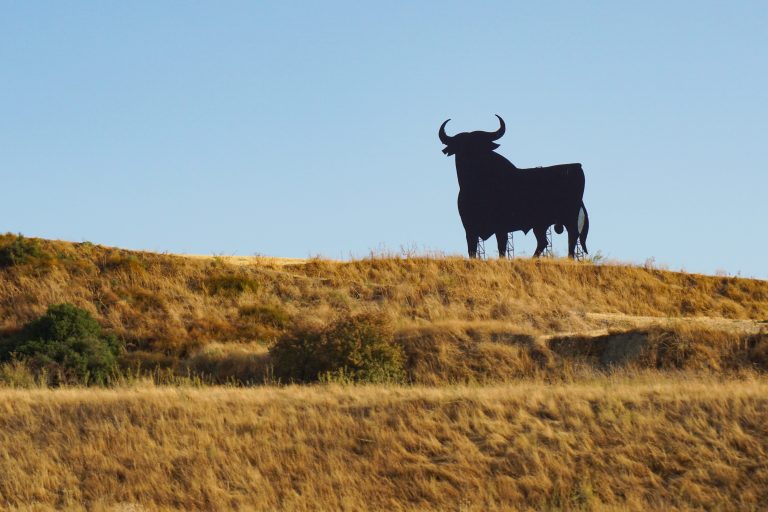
{"x": 552, "y": 385}
{"x": 173, "y": 304}
{"x": 655, "y": 442}
{"x": 457, "y": 320}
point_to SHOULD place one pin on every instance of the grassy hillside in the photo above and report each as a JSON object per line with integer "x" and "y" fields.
{"x": 531, "y": 385}
{"x": 171, "y": 301}
{"x": 458, "y": 320}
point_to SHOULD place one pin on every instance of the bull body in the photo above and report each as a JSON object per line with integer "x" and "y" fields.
{"x": 496, "y": 198}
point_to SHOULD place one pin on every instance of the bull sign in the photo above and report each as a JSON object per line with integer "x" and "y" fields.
{"x": 496, "y": 198}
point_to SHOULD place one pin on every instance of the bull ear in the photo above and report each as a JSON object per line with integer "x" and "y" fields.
{"x": 445, "y": 139}
{"x": 500, "y": 132}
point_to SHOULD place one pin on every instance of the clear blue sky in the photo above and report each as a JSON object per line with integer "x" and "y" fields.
{"x": 294, "y": 130}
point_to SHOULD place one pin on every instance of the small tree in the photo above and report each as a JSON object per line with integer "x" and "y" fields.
{"x": 359, "y": 348}
{"x": 67, "y": 343}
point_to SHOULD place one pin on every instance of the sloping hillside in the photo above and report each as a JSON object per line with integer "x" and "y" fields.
{"x": 174, "y": 300}
{"x": 450, "y": 313}
{"x": 530, "y": 385}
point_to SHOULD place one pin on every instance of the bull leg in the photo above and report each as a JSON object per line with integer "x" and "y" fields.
{"x": 541, "y": 240}
{"x": 472, "y": 245}
{"x": 501, "y": 243}
{"x": 573, "y": 234}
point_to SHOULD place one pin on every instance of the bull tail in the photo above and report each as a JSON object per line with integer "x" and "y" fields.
{"x": 583, "y": 223}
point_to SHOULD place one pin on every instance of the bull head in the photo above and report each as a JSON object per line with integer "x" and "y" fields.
{"x": 470, "y": 142}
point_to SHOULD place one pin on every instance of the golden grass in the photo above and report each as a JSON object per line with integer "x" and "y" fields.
{"x": 172, "y": 303}
{"x": 656, "y": 442}
{"x": 459, "y": 321}
{"x": 246, "y": 260}
{"x": 554, "y": 385}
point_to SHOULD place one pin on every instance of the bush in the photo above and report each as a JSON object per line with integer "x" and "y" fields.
{"x": 67, "y": 344}
{"x": 21, "y": 250}
{"x": 359, "y": 349}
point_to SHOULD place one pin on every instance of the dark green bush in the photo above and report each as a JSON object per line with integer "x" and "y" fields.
{"x": 67, "y": 344}
{"x": 359, "y": 349}
{"x": 21, "y": 250}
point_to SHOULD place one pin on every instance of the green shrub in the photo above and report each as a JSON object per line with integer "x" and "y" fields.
{"x": 230, "y": 285}
{"x": 22, "y": 250}
{"x": 355, "y": 349}
{"x": 66, "y": 344}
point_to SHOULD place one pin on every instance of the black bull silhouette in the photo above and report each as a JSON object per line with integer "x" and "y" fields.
{"x": 496, "y": 198}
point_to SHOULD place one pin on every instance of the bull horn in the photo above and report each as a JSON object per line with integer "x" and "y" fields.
{"x": 445, "y": 139}
{"x": 500, "y": 132}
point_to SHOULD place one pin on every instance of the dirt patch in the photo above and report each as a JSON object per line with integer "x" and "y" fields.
{"x": 598, "y": 349}
{"x": 624, "y": 347}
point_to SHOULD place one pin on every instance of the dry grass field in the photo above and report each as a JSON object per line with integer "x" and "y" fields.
{"x": 175, "y": 304}
{"x": 541, "y": 385}
{"x": 650, "y": 443}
